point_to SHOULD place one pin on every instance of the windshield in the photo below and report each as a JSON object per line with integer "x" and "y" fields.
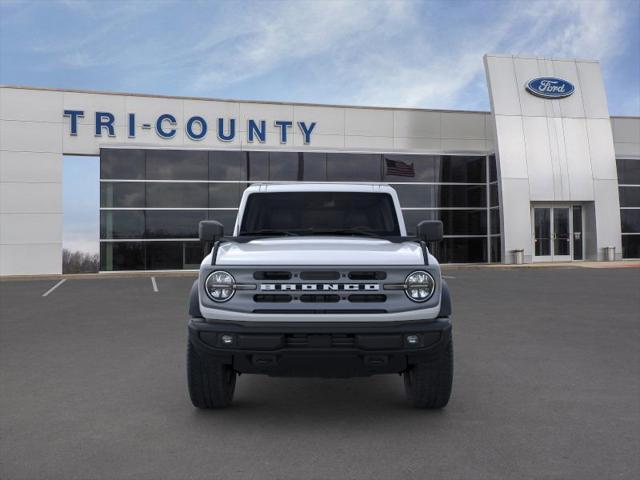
{"x": 320, "y": 213}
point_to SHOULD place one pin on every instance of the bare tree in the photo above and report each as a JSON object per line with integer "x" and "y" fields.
{"x": 79, "y": 262}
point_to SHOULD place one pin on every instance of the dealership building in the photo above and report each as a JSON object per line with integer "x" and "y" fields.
{"x": 546, "y": 175}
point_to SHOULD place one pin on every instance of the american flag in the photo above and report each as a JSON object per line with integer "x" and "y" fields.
{"x": 399, "y": 168}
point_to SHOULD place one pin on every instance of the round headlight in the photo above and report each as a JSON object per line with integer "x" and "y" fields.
{"x": 220, "y": 286}
{"x": 419, "y": 286}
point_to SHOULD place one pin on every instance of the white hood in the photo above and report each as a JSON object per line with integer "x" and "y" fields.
{"x": 320, "y": 251}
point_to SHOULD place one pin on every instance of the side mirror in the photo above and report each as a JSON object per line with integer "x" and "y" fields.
{"x": 210, "y": 231}
{"x": 430, "y": 230}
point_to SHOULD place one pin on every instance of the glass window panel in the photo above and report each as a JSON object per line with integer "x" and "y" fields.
{"x": 285, "y": 166}
{"x": 177, "y": 165}
{"x": 413, "y": 217}
{"x": 194, "y": 252}
{"x": 164, "y": 255}
{"x": 460, "y": 250}
{"x": 460, "y": 195}
{"x": 493, "y": 169}
{"x": 461, "y": 169}
{"x": 227, "y": 165}
{"x": 410, "y": 168}
{"x": 225, "y": 195}
{"x": 356, "y": 167}
{"x": 628, "y": 171}
{"x": 494, "y": 216}
{"x": 226, "y": 217}
{"x": 177, "y": 195}
{"x": 494, "y": 199}
{"x": 121, "y": 224}
{"x": 258, "y": 166}
{"x": 630, "y": 221}
{"x": 439, "y": 196}
{"x": 455, "y": 222}
{"x": 173, "y": 223}
{"x": 631, "y": 246}
{"x": 314, "y": 167}
{"x": 464, "y": 222}
{"x": 414, "y": 196}
{"x": 125, "y": 164}
{"x": 122, "y": 195}
{"x": 496, "y": 252}
{"x": 629, "y": 196}
{"x": 122, "y": 256}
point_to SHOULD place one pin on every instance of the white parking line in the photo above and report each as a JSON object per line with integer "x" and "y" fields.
{"x": 154, "y": 284}
{"x": 447, "y": 277}
{"x": 54, "y": 287}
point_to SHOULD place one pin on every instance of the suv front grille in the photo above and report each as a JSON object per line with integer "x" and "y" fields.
{"x": 319, "y": 298}
{"x": 373, "y": 275}
{"x": 272, "y": 275}
{"x": 361, "y": 298}
{"x": 320, "y": 341}
{"x": 271, "y": 298}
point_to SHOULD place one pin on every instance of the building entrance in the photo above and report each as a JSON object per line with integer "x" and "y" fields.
{"x": 557, "y": 233}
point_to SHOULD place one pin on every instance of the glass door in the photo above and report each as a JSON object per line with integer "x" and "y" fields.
{"x": 542, "y": 233}
{"x": 557, "y": 233}
{"x": 561, "y": 234}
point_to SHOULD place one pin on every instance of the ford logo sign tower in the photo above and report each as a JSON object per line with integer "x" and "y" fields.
{"x": 550, "y": 87}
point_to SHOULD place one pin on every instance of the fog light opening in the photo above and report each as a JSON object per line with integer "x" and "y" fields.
{"x": 413, "y": 339}
{"x": 227, "y": 339}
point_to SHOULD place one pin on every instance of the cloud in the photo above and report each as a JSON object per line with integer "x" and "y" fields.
{"x": 277, "y": 37}
{"x": 392, "y": 53}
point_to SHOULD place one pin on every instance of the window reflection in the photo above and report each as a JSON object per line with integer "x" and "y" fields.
{"x": 177, "y": 165}
{"x": 122, "y": 195}
{"x": 455, "y": 187}
{"x": 121, "y": 224}
{"x": 628, "y": 171}
{"x": 177, "y": 195}
{"x": 285, "y": 166}
{"x": 353, "y": 167}
{"x": 225, "y": 195}
{"x": 314, "y": 167}
{"x": 227, "y": 165}
{"x": 630, "y": 221}
{"x": 258, "y": 166}
{"x": 173, "y": 223}
{"x": 124, "y": 164}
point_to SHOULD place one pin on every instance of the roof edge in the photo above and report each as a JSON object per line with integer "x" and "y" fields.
{"x": 231, "y": 100}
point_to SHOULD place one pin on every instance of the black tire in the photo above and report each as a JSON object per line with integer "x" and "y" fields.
{"x": 211, "y": 383}
{"x": 428, "y": 385}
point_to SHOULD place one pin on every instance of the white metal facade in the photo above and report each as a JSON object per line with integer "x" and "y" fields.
{"x": 548, "y": 150}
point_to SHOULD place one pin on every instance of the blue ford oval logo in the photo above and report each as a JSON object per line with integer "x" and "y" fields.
{"x": 550, "y": 87}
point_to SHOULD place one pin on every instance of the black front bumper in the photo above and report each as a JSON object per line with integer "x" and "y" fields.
{"x": 319, "y": 349}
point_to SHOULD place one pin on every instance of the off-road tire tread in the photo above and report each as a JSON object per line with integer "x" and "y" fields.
{"x": 428, "y": 385}
{"x": 211, "y": 384}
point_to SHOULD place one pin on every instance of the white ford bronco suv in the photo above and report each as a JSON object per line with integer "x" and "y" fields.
{"x": 320, "y": 280}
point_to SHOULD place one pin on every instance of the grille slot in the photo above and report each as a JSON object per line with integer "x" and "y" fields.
{"x": 320, "y": 341}
{"x": 319, "y": 298}
{"x": 319, "y": 275}
{"x": 361, "y": 298}
{"x": 272, "y": 275}
{"x": 368, "y": 275}
{"x": 271, "y": 298}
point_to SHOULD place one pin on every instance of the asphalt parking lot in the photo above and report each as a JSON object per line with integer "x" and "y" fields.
{"x": 547, "y": 385}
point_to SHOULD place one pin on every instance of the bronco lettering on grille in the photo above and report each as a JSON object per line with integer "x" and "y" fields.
{"x": 324, "y": 287}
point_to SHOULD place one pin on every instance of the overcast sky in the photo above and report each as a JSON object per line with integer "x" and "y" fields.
{"x": 391, "y": 53}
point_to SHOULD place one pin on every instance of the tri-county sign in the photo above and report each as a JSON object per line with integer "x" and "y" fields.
{"x": 196, "y": 127}
{"x": 550, "y": 87}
